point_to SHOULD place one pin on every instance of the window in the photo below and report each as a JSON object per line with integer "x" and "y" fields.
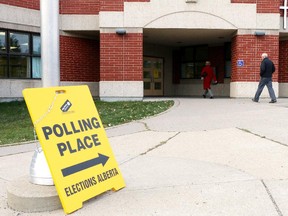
{"x": 20, "y": 55}
{"x": 2, "y": 41}
{"x": 192, "y": 61}
{"x": 36, "y": 59}
{"x": 19, "y": 43}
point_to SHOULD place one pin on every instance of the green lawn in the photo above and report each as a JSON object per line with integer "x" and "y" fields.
{"x": 16, "y": 125}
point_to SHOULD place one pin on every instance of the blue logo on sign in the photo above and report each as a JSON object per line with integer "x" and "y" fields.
{"x": 66, "y": 106}
{"x": 240, "y": 63}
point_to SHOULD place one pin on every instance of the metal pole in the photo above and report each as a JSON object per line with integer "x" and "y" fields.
{"x": 39, "y": 170}
{"x": 50, "y": 42}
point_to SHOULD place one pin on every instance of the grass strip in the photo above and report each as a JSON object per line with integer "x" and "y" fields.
{"x": 16, "y": 125}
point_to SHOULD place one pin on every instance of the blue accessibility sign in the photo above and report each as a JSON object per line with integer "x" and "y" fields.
{"x": 240, "y": 63}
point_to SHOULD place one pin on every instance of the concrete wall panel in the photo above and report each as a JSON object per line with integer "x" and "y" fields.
{"x": 234, "y": 15}
{"x": 79, "y": 22}
{"x": 20, "y": 16}
{"x": 248, "y": 90}
{"x": 121, "y": 90}
{"x": 11, "y": 88}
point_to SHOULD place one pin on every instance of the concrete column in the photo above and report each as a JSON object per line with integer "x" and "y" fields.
{"x": 50, "y": 42}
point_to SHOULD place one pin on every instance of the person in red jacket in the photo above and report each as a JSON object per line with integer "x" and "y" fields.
{"x": 207, "y": 75}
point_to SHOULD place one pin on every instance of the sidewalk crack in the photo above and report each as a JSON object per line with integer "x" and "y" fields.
{"x": 272, "y": 199}
{"x": 160, "y": 144}
{"x": 150, "y": 149}
{"x": 263, "y": 137}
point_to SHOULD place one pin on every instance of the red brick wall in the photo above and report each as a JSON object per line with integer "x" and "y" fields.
{"x": 116, "y": 5}
{"x": 249, "y": 48}
{"x": 30, "y": 4}
{"x": 244, "y": 1}
{"x": 263, "y": 6}
{"x": 93, "y": 6}
{"x": 65, "y": 6}
{"x": 79, "y": 59}
{"x": 79, "y": 6}
{"x": 283, "y": 61}
{"x": 136, "y": 0}
{"x": 268, "y": 6}
{"x": 121, "y": 57}
{"x": 111, "y": 5}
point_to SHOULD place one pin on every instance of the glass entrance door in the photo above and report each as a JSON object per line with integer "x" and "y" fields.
{"x": 153, "y": 76}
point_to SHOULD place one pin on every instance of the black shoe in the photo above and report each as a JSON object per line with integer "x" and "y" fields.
{"x": 273, "y": 101}
{"x": 211, "y": 97}
{"x": 254, "y": 100}
{"x": 204, "y": 96}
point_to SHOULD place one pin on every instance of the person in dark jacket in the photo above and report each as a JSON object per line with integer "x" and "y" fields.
{"x": 267, "y": 68}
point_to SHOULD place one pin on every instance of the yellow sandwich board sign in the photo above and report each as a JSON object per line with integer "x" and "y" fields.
{"x": 74, "y": 142}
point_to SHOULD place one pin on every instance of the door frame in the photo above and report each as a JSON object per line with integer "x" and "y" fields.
{"x": 150, "y": 82}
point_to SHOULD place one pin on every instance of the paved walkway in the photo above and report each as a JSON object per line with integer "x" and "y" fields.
{"x": 203, "y": 157}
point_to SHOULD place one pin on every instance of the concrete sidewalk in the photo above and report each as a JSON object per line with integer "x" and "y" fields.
{"x": 203, "y": 157}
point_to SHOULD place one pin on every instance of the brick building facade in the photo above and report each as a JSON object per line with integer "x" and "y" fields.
{"x": 129, "y": 49}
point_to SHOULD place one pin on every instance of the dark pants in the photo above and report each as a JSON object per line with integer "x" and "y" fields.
{"x": 265, "y": 81}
